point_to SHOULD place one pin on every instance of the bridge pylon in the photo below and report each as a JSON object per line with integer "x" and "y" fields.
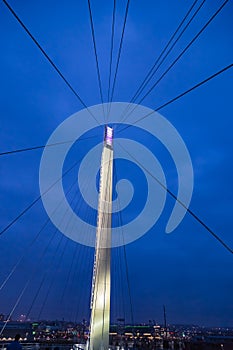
{"x": 101, "y": 283}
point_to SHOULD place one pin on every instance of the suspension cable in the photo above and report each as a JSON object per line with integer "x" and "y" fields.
{"x": 179, "y": 96}
{"x": 14, "y": 307}
{"x": 53, "y": 257}
{"x": 145, "y": 81}
{"x": 84, "y": 255}
{"x": 36, "y": 200}
{"x": 52, "y": 262}
{"x": 33, "y": 241}
{"x": 125, "y": 258}
{"x": 185, "y": 49}
{"x": 53, "y": 278}
{"x": 151, "y": 75}
{"x": 28, "y": 281}
{"x": 111, "y": 49}
{"x": 180, "y": 202}
{"x": 87, "y": 217}
{"x": 44, "y": 146}
{"x": 120, "y": 49}
{"x": 95, "y": 50}
{"x": 178, "y": 57}
{"x": 49, "y": 59}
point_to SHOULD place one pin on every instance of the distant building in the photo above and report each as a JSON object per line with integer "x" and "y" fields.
{"x": 22, "y": 318}
{"x": 12, "y": 328}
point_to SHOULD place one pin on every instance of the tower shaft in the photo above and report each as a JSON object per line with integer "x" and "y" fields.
{"x": 100, "y": 303}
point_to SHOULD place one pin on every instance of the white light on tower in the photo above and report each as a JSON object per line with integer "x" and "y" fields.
{"x": 108, "y": 136}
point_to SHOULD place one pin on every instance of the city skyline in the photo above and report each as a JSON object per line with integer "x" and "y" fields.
{"x": 187, "y": 270}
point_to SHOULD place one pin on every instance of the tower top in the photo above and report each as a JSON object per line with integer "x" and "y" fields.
{"x": 108, "y": 136}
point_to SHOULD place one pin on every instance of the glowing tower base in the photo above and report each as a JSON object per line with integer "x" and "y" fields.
{"x": 100, "y": 301}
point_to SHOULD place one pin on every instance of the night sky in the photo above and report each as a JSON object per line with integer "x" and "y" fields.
{"x": 188, "y": 271}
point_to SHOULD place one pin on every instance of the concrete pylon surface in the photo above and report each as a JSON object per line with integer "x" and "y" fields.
{"x": 100, "y": 300}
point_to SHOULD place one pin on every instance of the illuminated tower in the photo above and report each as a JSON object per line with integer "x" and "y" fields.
{"x": 100, "y": 299}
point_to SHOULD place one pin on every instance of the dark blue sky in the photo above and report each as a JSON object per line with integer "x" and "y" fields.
{"x": 188, "y": 270}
